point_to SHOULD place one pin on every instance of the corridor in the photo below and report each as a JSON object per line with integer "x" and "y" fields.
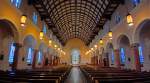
{"x": 76, "y": 76}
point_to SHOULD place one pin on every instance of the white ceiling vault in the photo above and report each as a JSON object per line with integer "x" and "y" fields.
{"x": 81, "y": 19}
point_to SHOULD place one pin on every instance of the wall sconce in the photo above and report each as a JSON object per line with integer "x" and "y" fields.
{"x": 41, "y": 35}
{"x": 23, "y": 20}
{"x": 129, "y": 19}
{"x": 101, "y": 41}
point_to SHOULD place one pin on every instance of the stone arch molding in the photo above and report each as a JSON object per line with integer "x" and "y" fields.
{"x": 136, "y": 34}
{"x": 118, "y": 38}
{"x": 12, "y": 26}
{"x": 30, "y": 41}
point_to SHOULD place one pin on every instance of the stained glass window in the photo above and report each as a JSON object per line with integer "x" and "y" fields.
{"x": 17, "y": 3}
{"x": 75, "y": 56}
{"x": 136, "y": 2}
{"x": 141, "y": 54}
{"x": 44, "y": 28}
{"x": 35, "y": 18}
{"x": 122, "y": 55}
{"x": 112, "y": 57}
{"x": 39, "y": 57}
{"x": 11, "y": 53}
{"x": 117, "y": 18}
{"x": 30, "y": 56}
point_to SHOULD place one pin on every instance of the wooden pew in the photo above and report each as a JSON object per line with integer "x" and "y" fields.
{"x": 112, "y": 75}
{"x": 33, "y": 76}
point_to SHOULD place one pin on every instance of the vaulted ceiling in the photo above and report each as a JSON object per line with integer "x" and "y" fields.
{"x": 81, "y": 19}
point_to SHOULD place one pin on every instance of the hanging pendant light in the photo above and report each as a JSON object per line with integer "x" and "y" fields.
{"x": 92, "y": 49}
{"x": 41, "y": 35}
{"x": 101, "y": 41}
{"x": 110, "y": 34}
{"x": 129, "y": 19}
{"x": 50, "y": 42}
{"x": 23, "y": 20}
{"x": 55, "y": 46}
{"x": 95, "y": 46}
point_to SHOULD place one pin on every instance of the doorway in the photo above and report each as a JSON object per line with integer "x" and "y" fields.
{"x": 75, "y": 56}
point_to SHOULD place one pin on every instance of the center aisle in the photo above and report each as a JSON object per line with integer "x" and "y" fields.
{"x": 76, "y": 76}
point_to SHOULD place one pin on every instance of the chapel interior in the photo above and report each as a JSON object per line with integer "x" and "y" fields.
{"x": 74, "y": 41}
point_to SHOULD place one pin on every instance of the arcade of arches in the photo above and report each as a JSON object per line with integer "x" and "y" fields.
{"x": 74, "y": 42}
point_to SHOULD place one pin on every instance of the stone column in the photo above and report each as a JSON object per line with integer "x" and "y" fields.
{"x": 34, "y": 58}
{"x": 117, "y": 57}
{"x": 16, "y": 55}
{"x": 136, "y": 56}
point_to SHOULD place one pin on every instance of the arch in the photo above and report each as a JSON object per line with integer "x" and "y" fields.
{"x": 43, "y": 47}
{"x": 49, "y": 50}
{"x": 109, "y": 46}
{"x": 142, "y": 37}
{"x": 123, "y": 40}
{"x": 29, "y": 41}
{"x": 136, "y": 36}
{"x": 76, "y": 43}
{"x": 8, "y": 36}
{"x": 10, "y": 27}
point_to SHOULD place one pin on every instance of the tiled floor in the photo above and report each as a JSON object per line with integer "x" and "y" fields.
{"x": 76, "y": 76}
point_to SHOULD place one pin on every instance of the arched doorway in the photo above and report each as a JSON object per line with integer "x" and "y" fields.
{"x": 126, "y": 58}
{"x": 75, "y": 56}
{"x": 8, "y": 39}
{"x": 42, "y": 59}
{"x": 143, "y": 36}
{"x": 110, "y": 52}
{"x": 29, "y": 49}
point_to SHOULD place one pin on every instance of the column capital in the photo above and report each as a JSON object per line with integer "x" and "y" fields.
{"x": 133, "y": 45}
{"x": 115, "y": 50}
{"x": 18, "y": 44}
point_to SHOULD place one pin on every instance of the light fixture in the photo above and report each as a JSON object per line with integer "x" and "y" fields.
{"x": 50, "y": 42}
{"x": 110, "y": 34}
{"x": 23, "y": 20}
{"x": 58, "y": 49}
{"x": 41, "y": 35}
{"x": 101, "y": 41}
{"x": 95, "y": 46}
{"x": 129, "y": 19}
{"x": 92, "y": 49}
{"x": 55, "y": 46}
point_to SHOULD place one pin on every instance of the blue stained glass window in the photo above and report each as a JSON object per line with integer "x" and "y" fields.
{"x": 11, "y": 53}
{"x": 141, "y": 55}
{"x": 117, "y": 18}
{"x": 112, "y": 57}
{"x": 39, "y": 57}
{"x": 136, "y": 2}
{"x": 17, "y": 3}
{"x": 30, "y": 56}
{"x": 122, "y": 55}
{"x": 35, "y": 18}
{"x": 44, "y": 28}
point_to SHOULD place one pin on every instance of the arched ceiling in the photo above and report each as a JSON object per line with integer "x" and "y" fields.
{"x": 75, "y": 18}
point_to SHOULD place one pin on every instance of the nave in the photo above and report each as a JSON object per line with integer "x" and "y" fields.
{"x": 76, "y": 76}
{"x": 74, "y": 41}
